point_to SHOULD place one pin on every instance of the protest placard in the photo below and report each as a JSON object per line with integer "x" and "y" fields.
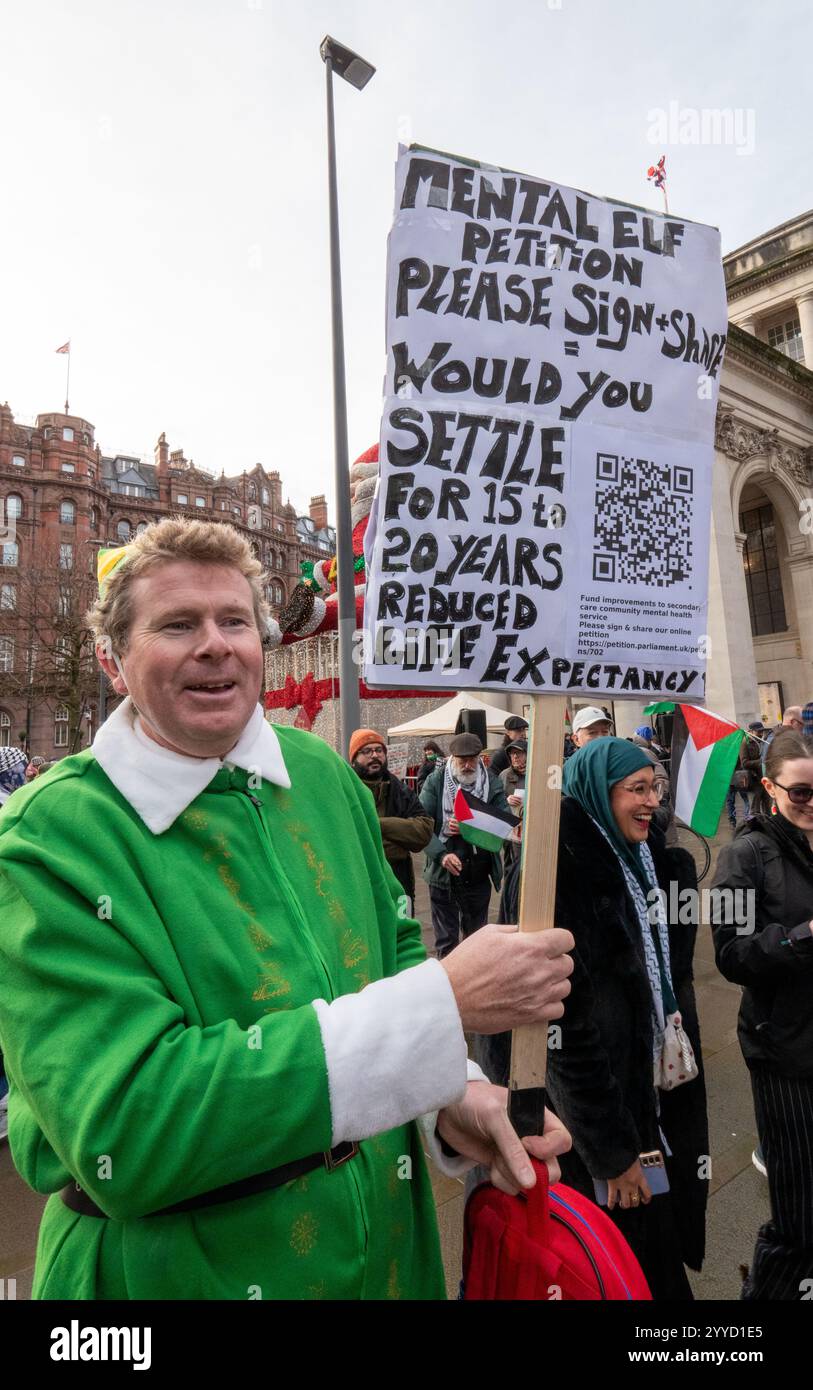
{"x": 543, "y": 510}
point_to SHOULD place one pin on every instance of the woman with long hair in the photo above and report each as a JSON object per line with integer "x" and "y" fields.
{"x": 625, "y": 1074}
{"x": 763, "y": 940}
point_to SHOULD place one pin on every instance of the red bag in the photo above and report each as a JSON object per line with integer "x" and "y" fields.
{"x": 549, "y": 1243}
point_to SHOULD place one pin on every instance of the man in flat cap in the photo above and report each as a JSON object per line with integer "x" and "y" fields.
{"x": 459, "y": 874}
{"x": 515, "y": 728}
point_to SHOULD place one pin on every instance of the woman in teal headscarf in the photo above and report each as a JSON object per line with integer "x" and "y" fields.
{"x": 608, "y": 1076}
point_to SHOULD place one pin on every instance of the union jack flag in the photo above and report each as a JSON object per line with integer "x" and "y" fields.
{"x": 657, "y": 172}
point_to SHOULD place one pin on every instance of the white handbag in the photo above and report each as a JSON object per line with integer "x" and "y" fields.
{"x": 676, "y": 1064}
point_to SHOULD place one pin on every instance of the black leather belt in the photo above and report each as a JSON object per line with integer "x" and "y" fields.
{"x": 78, "y": 1200}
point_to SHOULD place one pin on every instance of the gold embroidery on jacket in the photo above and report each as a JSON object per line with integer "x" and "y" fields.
{"x": 303, "y": 1233}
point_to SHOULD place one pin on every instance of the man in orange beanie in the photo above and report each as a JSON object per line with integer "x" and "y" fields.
{"x": 405, "y": 826}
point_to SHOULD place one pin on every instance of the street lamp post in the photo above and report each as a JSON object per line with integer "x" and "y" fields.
{"x": 358, "y": 73}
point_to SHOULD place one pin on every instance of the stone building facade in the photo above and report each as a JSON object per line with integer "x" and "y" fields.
{"x": 62, "y": 499}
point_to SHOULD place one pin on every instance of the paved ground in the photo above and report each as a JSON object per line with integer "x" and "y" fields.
{"x": 739, "y": 1195}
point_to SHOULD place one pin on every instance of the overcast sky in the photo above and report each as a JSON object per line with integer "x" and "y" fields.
{"x": 165, "y": 189}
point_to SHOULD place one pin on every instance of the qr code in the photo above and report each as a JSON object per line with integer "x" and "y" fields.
{"x": 643, "y": 521}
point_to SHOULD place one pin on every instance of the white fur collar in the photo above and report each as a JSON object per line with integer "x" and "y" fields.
{"x": 160, "y": 784}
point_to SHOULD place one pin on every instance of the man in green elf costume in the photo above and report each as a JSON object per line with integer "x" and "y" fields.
{"x": 218, "y": 1031}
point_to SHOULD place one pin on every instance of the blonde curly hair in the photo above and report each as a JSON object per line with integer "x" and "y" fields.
{"x": 174, "y": 538}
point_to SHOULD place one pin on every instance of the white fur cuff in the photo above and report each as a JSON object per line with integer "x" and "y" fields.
{"x": 394, "y": 1051}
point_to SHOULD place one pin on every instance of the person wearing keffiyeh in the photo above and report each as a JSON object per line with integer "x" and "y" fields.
{"x": 633, "y": 971}
{"x": 459, "y": 874}
{"x": 13, "y": 763}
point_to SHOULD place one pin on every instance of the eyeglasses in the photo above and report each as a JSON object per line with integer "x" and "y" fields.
{"x": 799, "y": 796}
{"x": 641, "y": 790}
{"x": 370, "y": 749}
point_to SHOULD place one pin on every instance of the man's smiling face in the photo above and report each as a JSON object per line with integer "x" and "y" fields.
{"x": 193, "y": 664}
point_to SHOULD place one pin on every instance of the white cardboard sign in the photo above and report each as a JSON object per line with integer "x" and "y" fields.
{"x": 543, "y": 509}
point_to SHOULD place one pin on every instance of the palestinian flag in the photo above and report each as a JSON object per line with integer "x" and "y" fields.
{"x": 481, "y": 824}
{"x": 705, "y": 751}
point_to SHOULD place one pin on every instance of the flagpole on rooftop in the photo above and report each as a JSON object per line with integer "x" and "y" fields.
{"x": 68, "y": 384}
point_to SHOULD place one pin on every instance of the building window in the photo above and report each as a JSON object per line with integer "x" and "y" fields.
{"x": 279, "y": 594}
{"x": 66, "y": 557}
{"x": 18, "y": 460}
{"x": 224, "y": 506}
{"x": 5, "y": 729}
{"x": 67, "y": 467}
{"x": 63, "y": 603}
{"x": 14, "y": 506}
{"x": 787, "y": 337}
{"x": 11, "y": 555}
{"x": 182, "y": 499}
{"x": 61, "y": 727}
{"x": 62, "y": 652}
{"x": 8, "y": 597}
{"x": 124, "y": 531}
{"x": 94, "y": 518}
{"x": 6, "y": 654}
{"x": 237, "y": 511}
{"x": 142, "y": 526}
{"x": 266, "y": 498}
{"x": 763, "y": 581}
{"x": 67, "y": 513}
{"x": 252, "y": 492}
{"x": 67, "y": 434}
{"x": 91, "y": 472}
{"x": 200, "y": 501}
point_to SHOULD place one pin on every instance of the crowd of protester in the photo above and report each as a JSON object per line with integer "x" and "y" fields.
{"x": 627, "y": 1124}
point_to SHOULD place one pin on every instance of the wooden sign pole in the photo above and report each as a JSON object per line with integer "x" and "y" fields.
{"x": 540, "y": 849}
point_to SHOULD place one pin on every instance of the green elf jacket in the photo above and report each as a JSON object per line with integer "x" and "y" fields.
{"x": 203, "y": 976}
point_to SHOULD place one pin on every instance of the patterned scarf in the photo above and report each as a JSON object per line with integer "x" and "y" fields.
{"x": 13, "y": 763}
{"x": 478, "y": 788}
{"x": 660, "y": 980}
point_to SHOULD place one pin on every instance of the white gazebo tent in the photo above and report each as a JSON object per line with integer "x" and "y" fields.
{"x": 443, "y": 719}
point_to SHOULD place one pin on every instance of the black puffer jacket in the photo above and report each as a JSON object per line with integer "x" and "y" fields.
{"x": 600, "y": 1079}
{"x": 772, "y": 860}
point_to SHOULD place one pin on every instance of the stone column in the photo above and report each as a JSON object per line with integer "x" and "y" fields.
{"x": 731, "y": 676}
{"x": 748, "y": 325}
{"x": 800, "y": 566}
{"x": 805, "y": 306}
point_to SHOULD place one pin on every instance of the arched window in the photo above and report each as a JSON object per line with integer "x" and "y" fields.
{"x": 67, "y": 513}
{"x": 61, "y": 720}
{"x": 14, "y": 506}
{"x": 6, "y": 654}
{"x": 124, "y": 531}
{"x": 142, "y": 526}
{"x": 94, "y": 519}
{"x": 763, "y": 579}
{"x": 5, "y": 729}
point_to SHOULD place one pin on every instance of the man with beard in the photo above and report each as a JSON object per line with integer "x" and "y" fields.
{"x": 405, "y": 826}
{"x": 459, "y": 874}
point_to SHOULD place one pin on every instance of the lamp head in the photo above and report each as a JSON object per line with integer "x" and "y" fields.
{"x": 355, "y": 70}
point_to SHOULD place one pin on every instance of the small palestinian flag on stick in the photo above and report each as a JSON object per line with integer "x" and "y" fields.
{"x": 705, "y": 751}
{"x": 481, "y": 824}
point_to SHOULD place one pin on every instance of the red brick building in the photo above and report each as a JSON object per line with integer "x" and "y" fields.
{"x": 62, "y": 499}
